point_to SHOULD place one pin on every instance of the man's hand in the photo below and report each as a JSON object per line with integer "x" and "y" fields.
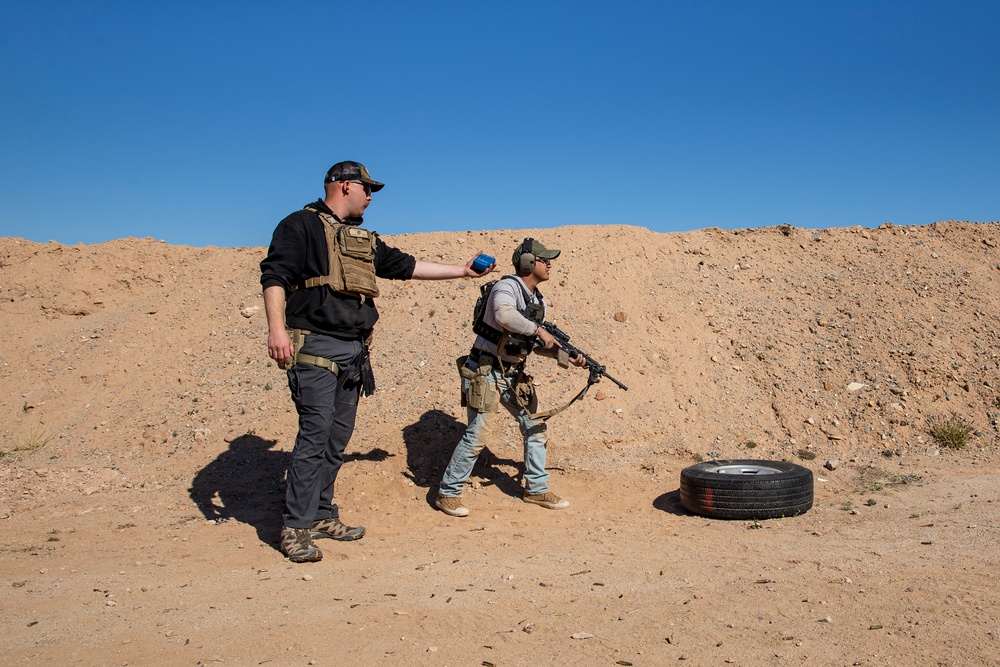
{"x": 469, "y": 271}
{"x": 279, "y": 347}
{"x": 578, "y": 360}
{"x": 548, "y": 341}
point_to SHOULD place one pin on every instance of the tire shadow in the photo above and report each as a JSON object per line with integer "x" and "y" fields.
{"x": 670, "y": 503}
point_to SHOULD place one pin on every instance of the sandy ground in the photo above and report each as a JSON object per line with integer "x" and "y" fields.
{"x": 145, "y": 436}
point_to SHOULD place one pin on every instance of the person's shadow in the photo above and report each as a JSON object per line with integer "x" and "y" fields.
{"x": 246, "y": 483}
{"x": 430, "y": 442}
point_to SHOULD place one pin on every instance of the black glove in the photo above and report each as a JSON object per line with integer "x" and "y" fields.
{"x": 367, "y": 376}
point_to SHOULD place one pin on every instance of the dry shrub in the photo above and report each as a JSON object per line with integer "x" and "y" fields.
{"x": 876, "y": 479}
{"x": 953, "y": 431}
{"x": 28, "y": 442}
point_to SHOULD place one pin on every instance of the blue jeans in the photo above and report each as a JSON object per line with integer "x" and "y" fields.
{"x": 536, "y": 480}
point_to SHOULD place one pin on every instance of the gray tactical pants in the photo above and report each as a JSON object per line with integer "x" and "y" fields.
{"x": 327, "y": 405}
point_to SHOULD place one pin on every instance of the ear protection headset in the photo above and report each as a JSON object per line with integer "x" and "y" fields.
{"x": 524, "y": 261}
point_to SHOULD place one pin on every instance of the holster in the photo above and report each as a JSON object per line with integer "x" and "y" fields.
{"x": 298, "y": 340}
{"x": 480, "y": 395}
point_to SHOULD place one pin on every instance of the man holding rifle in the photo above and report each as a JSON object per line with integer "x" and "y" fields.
{"x": 508, "y": 328}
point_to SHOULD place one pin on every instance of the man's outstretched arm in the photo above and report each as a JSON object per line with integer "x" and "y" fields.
{"x": 432, "y": 271}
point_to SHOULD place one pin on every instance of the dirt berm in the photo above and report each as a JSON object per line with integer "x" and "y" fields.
{"x": 145, "y": 434}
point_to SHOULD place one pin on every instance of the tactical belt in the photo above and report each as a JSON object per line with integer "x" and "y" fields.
{"x": 484, "y": 358}
{"x": 298, "y": 340}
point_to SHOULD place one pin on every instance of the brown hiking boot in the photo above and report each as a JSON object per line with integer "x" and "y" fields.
{"x": 451, "y": 506}
{"x": 548, "y": 500}
{"x": 298, "y": 545}
{"x": 334, "y": 529}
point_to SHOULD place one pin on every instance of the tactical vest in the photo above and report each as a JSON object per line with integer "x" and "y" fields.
{"x": 517, "y": 344}
{"x": 350, "y": 255}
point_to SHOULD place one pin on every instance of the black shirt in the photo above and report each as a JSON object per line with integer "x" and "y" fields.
{"x": 297, "y": 252}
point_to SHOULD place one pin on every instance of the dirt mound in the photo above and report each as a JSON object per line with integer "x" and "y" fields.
{"x": 138, "y": 389}
{"x": 843, "y": 341}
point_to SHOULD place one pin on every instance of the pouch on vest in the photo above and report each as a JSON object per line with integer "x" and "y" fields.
{"x": 351, "y": 258}
{"x": 357, "y": 252}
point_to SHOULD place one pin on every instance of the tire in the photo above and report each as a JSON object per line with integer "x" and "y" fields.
{"x": 746, "y": 489}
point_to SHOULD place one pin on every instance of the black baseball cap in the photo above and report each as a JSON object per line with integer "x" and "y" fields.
{"x": 352, "y": 171}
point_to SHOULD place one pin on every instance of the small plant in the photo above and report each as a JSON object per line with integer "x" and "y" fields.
{"x": 847, "y": 506}
{"x": 953, "y": 431}
{"x": 805, "y": 454}
{"x": 30, "y": 441}
{"x": 267, "y": 386}
{"x": 750, "y": 444}
{"x": 874, "y": 479}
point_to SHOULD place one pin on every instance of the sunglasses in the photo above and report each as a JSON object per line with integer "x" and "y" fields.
{"x": 367, "y": 188}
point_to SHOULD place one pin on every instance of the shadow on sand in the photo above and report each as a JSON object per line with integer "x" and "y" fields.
{"x": 246, "y": 483}
{"x": 670, "y": 503}
{"x": 430, "y": 442}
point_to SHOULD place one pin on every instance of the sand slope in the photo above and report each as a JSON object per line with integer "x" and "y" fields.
{"x": 145, "y": 435}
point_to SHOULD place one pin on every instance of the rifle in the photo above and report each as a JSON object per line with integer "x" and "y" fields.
{"x": 597, "y": 369}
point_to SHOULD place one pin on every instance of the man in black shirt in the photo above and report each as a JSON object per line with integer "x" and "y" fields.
{"x": 319, "y": 282}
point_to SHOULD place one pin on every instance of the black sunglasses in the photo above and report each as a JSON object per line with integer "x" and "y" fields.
{"x": 367, "y": 188}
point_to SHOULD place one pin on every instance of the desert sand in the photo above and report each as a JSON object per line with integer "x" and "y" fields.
{"x": 145, "y": 434}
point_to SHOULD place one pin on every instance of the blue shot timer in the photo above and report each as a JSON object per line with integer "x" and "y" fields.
{"x": 482, "y": 262}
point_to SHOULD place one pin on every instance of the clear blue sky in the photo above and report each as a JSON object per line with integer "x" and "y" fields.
{"x": 204, "y": 123}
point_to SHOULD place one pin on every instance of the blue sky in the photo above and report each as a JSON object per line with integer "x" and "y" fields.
{"x": 205, "y": 123}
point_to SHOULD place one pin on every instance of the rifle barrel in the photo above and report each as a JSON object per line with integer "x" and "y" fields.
{"x": 615, "y": 381}
{"x": 563, "y": 338}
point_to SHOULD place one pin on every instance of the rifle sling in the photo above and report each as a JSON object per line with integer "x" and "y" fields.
{"x": 541, "y": 415}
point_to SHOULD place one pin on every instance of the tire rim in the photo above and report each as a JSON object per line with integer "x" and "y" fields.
{"x": 746, "y": 469}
